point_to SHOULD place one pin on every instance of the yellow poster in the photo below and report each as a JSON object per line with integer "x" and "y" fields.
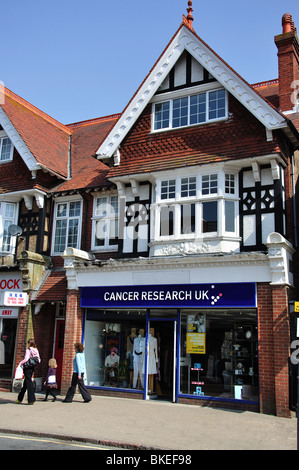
{"x": 196, "y": 343}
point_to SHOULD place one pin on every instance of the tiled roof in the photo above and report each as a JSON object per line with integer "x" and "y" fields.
{"x": 47, "y": 139}
{"x": 240, "y": 136}
{"x": 54, "y": 289}
{"x": 87, "y": 171}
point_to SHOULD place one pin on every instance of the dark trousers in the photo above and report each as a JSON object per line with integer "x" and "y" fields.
{"x": 27, "y": 385}
{"x": 83, "y": 390}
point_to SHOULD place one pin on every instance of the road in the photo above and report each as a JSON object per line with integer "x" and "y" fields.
{"x": 22, "y": 442}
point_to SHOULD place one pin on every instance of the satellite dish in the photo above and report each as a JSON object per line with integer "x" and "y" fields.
{"x": 14, "y": 230}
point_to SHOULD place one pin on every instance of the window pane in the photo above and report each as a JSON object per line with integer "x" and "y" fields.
{"x": 209, "y": 184}
{"x": 60, "y": 236}
{"x": 5, "y": 149}
{"x": 230, "y": 184}
{"x": 216, "y": 104}
{"x": 166, "y": 221}
{"x": 188, "y": 187}
{"x": 6, "y": 237}
{"x": 61, "y": 210}
{"x": 168, "y": 189}
{"x": 73, "y": 233}
{"x": 162, "y": 115}
{"x": 187, "y": 219}
{"x": 75, "y": 209}
{"x": 229, "y": 216}
{"x": 180, "y": 112}
{"x": 209, "y": 222}
{"x": 198, "y": 108}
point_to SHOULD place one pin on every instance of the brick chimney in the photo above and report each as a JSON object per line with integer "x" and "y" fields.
{"x": 288, "y": 64}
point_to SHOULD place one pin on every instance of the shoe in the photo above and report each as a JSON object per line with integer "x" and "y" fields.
{"x": 19, "y": 402}
{"x": 45, "y": 399}
{"x": 86, "y": 401}
{"x": 31, "y": 403}
{"x": 54, "y": 399}
{"x": 65, "y": 401}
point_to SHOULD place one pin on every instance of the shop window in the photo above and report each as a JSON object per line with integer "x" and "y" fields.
{"x": 218, "y": 354}
{"x": 115, "y": 349}
{"x": 8, "y": 330}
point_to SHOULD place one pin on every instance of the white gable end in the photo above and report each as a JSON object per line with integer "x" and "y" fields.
{"x": 186, "y": 40}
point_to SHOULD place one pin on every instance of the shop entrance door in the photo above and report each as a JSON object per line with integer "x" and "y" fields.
{"x": 161, "y": 383}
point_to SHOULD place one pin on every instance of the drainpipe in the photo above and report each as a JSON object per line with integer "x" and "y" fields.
{"x": 294, "y": 204}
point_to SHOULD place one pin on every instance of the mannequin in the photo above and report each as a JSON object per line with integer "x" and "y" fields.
{"x": 138, "y": 355}
{"x": 152, "y": 359}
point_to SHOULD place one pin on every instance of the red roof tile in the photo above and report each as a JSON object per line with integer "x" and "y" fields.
{"x": 54, "y": 289}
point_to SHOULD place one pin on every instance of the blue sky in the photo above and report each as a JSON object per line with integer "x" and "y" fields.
{"x": 80, "y": 60}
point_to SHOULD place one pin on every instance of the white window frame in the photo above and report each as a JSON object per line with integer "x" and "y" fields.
{"x": 198, "y": 199}
{"x": 107, "y": 216}
{"x": 68, "y": 219}
{"x": 8, "y": 220}
{"x": 4, "y": 136}
{"x": 172, "y": 96}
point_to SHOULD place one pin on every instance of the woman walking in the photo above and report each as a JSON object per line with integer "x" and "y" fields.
{"x": 78, "y": 376}
{"x": 31, "y": 352}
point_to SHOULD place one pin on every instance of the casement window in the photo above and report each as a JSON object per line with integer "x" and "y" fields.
{"x": 6, "y": 149}
{"x": 8, "y": 216}
{"x": 67, "y": 225}
{"x": 184, "y": 111}
{"x": 196, "y": 206}
{"x": 105, "y": 222}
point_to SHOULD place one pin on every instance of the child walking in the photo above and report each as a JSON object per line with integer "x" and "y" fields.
{"x": 50, "y": 382}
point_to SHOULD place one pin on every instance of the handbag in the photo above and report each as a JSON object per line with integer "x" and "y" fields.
{"x": 32, "y": 361}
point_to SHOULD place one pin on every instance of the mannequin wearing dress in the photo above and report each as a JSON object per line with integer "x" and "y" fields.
{"x": 152, "y": 359}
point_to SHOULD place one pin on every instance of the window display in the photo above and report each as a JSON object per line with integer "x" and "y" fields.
{"x": 218, "y": 354}
{"x": 115, "y": 349}
{"x": 8, "y": 329}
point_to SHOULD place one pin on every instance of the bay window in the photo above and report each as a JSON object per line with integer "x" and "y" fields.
{"x": 191, "y": 207}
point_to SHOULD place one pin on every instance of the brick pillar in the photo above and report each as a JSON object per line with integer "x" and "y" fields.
{"x": 281, "y": 351}
{"x": 273, "y": 349}
{"x": 72, "y": 335}
{"x": 265, "y": 349}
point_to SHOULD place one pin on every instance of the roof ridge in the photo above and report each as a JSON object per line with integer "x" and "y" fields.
{"x": 88, "y": 122}
{"x": 34, "y": 109}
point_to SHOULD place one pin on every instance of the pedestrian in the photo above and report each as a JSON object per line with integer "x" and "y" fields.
{"x": 50, "y": 382}
{"x": 31, "y": 352}
{"x": 78, "y": 376}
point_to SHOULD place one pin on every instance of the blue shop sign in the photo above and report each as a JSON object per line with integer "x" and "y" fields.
{"x": 223, "y": 295}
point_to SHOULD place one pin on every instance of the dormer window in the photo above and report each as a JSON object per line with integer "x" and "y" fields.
{"x": 208, "y": 106}
{"x": 6, "y": 149}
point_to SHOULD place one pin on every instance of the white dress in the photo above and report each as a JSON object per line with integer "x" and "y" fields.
{"x": 152, "y": 355}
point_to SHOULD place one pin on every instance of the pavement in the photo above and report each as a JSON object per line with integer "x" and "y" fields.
{"x": 146, "y": 424}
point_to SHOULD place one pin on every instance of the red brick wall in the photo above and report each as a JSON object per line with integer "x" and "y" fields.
{"x": 72, "y": 335}
{"x": 273, "y": 349}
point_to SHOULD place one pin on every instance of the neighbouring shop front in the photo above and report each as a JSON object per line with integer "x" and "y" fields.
{"x": 193, "y": 341}
{"x": 9, "y": 283}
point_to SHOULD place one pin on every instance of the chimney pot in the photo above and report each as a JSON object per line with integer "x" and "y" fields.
{"x": 287, "y": 23}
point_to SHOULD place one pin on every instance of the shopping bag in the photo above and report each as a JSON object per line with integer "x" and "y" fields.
{"x": 19, "y": 374}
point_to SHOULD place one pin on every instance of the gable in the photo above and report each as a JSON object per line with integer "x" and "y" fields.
{"x": 41, "y": 141}
{"x": 186, "y": 40}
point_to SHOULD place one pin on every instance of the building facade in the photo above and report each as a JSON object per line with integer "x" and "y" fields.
{"x": 169, "y": 239}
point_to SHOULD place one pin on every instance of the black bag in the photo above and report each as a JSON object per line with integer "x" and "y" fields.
{"x": 32, "y": 361}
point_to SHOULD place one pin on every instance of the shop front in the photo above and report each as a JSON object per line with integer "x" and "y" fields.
{"x": 9, "y": 282}
{"x": 175, "y": 342}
